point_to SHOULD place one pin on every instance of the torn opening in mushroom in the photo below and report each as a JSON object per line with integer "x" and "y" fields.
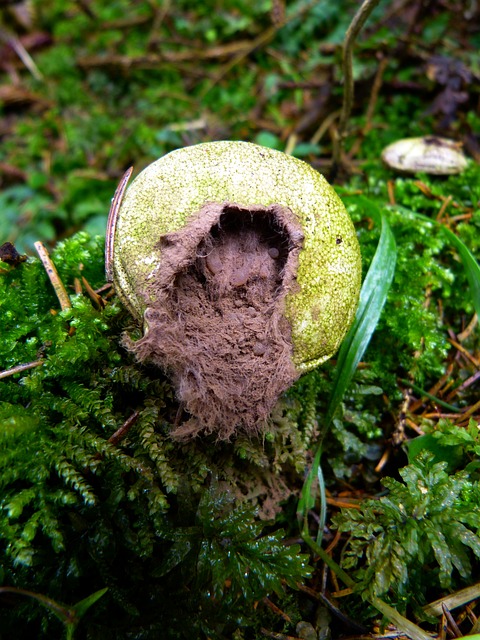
{"x": 216, "y": 314}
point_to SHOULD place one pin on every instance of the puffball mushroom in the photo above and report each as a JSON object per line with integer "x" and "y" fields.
{"x": 245, "y": 269}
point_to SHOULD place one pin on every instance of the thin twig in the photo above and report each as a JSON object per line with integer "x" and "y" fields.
{"x": 470, "y": 327}
{"x": 468, "y": 382}
{"x": 465, "y": 352}
{"x": 99, "y": 302}
{"x": 344, "y": 504}
{"x": 276, "y": 610}
{"x": 443, "y": 208}
{"x": 275, "y": 635}
{"x": 159, "y": 15}
{"x": 377, "y": 83}
{"x": 321, "y": 597}
{"x": 353, "y": 30}
{"x": 291, "y": 144}
{"x": 470, "y": 411}
{"x": 52, "y": 273}
{"x": 156, "y": 60}
{"x": 383, "y": 460}
{"x": 439, "y": 414}
{"x": 63, "y": 612}
{"x": 20, "y": 367}
{"x": 124, "y": 429}
{"x": 453, "y": 600}
{"x": 451, "y": 621}
{"x": 22, "y": 53}
{"x": 77, "y": 286}
{"x": 324, "y": 127}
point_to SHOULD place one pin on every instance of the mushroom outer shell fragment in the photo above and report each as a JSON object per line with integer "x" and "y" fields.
{"x": 165, "y": 195}
{"x": 430, "y": 154}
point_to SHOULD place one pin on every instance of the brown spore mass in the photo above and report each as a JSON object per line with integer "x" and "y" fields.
{"x": 217, "y": 322}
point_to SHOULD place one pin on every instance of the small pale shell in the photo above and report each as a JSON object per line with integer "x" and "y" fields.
{"x": 437, "y": 156}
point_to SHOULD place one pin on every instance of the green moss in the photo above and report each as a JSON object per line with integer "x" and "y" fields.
{"x": 78, "y": 513}
{"x": 424, "y": 524}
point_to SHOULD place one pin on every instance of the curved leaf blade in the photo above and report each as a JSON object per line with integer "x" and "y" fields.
{"x": 373, "y": 295}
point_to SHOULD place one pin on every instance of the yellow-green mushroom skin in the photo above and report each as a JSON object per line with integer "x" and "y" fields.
{"x": 165, "y": 195}
{"x": 245, "y": 269}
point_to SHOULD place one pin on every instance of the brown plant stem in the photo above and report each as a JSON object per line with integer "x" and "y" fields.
{"x": 121, "y": 432}
{"x": 353, "y": 30}
{"x": 52, "y": 273}
{"x": 65, "y": 613}
{"x": 377, "y": 83}
{"x": 20, "y": 367}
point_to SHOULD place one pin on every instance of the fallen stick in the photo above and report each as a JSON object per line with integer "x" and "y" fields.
{"x": 52, "y": 273}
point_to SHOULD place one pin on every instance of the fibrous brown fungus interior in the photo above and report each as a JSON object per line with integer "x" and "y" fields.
{"x": 218, "y": 321}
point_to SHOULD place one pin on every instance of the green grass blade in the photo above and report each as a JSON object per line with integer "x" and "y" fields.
{"x": 81, "y": 607}
{"x": 450, "y": 407}
{"x": 372, "y": 299}
{"x": 410, "y": 629}
{"x": 308, "y": 495}
{"x": 471, "y": 266}
{"x": 323, "y": 505}
{"x": 61, "y": 611}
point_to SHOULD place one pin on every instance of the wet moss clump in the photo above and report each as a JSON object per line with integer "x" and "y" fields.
{"x": 84, "y": 506}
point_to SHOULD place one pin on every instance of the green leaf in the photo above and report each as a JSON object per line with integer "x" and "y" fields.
{"x": 70, "y": 616}
{"x": 453, "y": 455}
{"x": 232, "y": 550}
{"x": 372, "y": 299}
{"x": 174, "y": 556}
{"x": 308, "y": 494}
{"x": 267, "y": 139}
{"x": 83, "y": 605}
{"x": 441, "y": 551}
{"x": 424, "y": 393}
{"x": 306, "y": 148}
{"x": 471, "y": 266}
{"x": 449, "y": 443}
